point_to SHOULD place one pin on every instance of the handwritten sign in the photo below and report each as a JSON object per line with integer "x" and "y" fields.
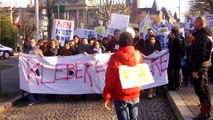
{"x": 83, "y": 33}
{"x": 135, "y": 76}
{"x": 189, "y": 23}
{"x": 209, "y": 21}
{"x": 79, "y": 74}
{"x": 100, "y": 30}
{"x": 62, "y": 30}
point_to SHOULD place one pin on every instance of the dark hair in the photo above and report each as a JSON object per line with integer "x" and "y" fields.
{"x": 126, "y": 39}
{"x": 151, "y": 36}
{"x": 75, "y": 36}
{"x": 175, "y": 31}
{"x": 150, "y": 29}
{"x": 116, "y": 30}
{"x": 136, "y": 29}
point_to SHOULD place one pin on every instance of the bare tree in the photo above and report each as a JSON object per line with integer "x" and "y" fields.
{"x": 49, "y": 8}
{"x": 26, "y": 27}
{"x": 199, "y": 7}
{"x": 107, "y": 7}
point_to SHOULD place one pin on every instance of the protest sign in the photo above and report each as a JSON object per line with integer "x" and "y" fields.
{"x": 189, "y": 23}
{"x": 135, "y": 76}
{"x": 100, "y": 30}
{"x": 62, "y": 30}
{"x": 162, "y": 37}
{"x": 83, "y": 33}
{"x": 119, "y": 21}
{"x": 209, "y": 21}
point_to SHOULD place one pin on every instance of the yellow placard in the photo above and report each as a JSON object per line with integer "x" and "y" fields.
{"x": 135, "y": 76}
{"x": 100, "y": 30}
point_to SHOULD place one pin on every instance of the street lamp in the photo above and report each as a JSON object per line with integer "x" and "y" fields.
{"x": 37, "y": 19}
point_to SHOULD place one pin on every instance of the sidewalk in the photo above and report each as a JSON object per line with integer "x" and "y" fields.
{"x": 185, "y": 102}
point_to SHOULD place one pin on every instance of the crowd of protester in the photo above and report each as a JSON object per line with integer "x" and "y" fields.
{"x": 179, "y": 68}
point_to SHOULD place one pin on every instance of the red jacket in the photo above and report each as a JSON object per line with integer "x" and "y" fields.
{"x": 123, "y": 56}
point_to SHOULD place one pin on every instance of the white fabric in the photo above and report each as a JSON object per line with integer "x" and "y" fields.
{"x": 79, "y": 74}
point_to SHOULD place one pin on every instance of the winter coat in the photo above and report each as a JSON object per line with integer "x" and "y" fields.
{"x": 200, "y": 50}
{"x": 123, "y": 56}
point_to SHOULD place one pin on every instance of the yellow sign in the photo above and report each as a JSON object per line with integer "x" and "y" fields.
{"x": 100, "y": 30}
{"x": 135, "y": 76}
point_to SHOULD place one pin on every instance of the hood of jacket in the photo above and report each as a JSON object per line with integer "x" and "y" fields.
{"x": 128, "y": 55}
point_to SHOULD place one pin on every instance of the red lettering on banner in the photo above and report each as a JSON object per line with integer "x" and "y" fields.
{"x": 31, "y": 70}
{"x": 158, "y": 64}
{"x": 86, "y": 73}
{"x": 60, "y": 70}
{"x": 163, "y": 61}
{"x": 77, "y": 70}
{"x": 99, "y": 68}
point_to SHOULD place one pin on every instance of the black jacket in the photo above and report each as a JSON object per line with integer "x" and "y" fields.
{"x": 201, "y": 49}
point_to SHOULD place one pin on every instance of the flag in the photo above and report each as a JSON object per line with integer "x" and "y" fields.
{"x": 17, "y": 21}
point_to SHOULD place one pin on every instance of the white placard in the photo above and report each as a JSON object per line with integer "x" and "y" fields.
{"x": 63, "y": 30}
{"x": 119, "y": 21}
{"x": 135, "y": 76}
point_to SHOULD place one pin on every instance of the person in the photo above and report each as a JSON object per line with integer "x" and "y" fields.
{"x": 104, "y": 44}
{"x": 200, "y": 60}
{"x": 52, "y": 51}
{"x": 149, "y": 32}
{"x": 138, "y": 42}
{"x": 33, "y": 49}
{"x": 175, "y": 56}
{"x": 66, "y": 50}
{"x": 188, "y": 68}
{"x": 114, "y": 42}
{"x": 96, "y": 48}
{"x": 151, "y": 47}
{"x": 84, "y": 47}
{"x": 125, "y": 100}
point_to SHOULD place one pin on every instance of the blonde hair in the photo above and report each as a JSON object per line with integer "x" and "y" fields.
{"x": 201, "y": 20}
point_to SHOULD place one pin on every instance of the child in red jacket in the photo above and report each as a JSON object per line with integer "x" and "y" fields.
{"x": 125, "y": 100}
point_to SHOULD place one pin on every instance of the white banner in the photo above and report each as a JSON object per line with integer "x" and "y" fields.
{"x": 79, "y": 74}
{"x": 63, "y": 30}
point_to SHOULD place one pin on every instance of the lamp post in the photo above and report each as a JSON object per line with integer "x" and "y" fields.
{"x": 37, "y": 20}
{"x": 179, "y": 9}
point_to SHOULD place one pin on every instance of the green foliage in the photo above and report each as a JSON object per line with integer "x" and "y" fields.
{"x": 7, "y": 33}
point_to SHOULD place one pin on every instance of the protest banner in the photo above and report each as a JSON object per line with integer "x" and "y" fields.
{"x": 62, "y": 30}
{"x": 119, "y": 21}
{"x": 79, "y": 74}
